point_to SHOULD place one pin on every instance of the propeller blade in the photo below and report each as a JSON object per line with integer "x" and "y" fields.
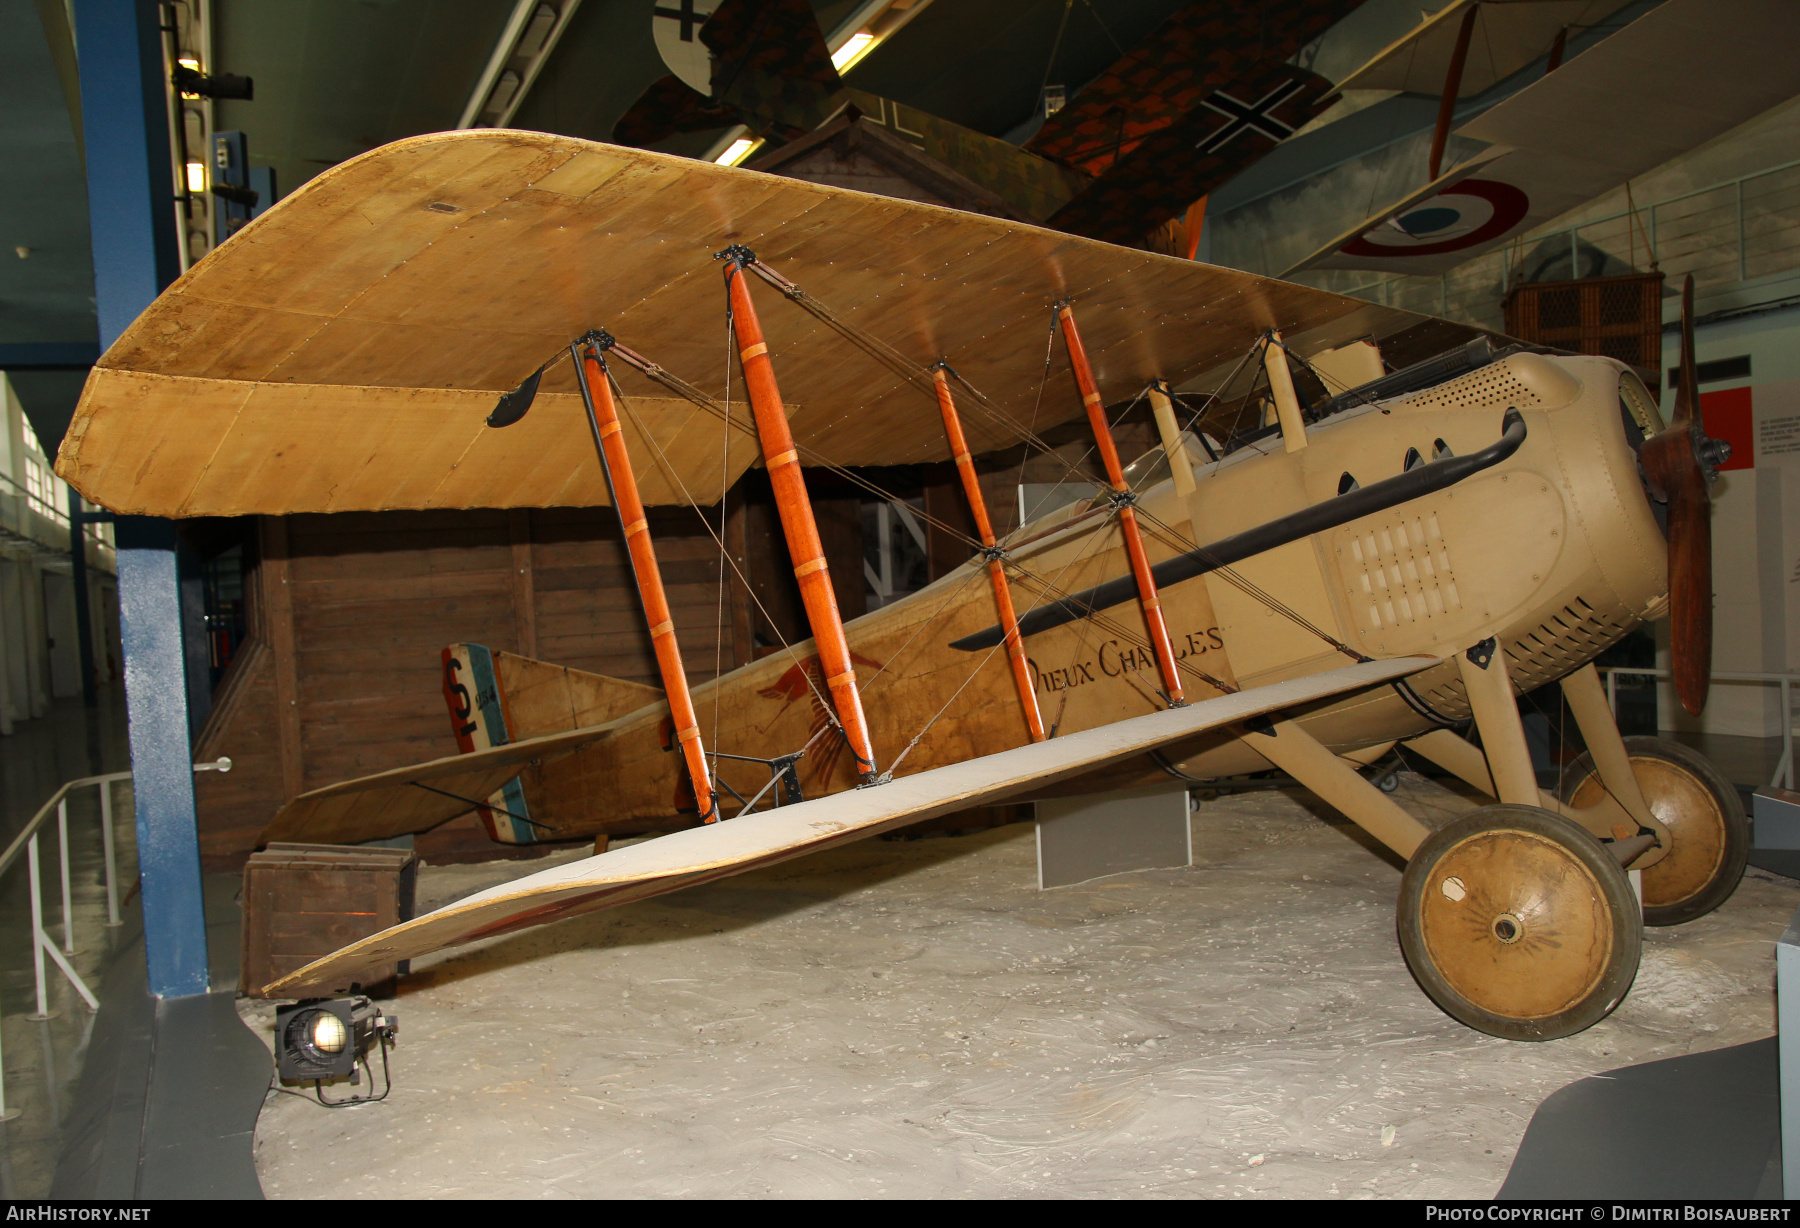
{"x": 1691, "y": 593}
{"x": 512, "y": 405}
{"x": 1679, "y": 465}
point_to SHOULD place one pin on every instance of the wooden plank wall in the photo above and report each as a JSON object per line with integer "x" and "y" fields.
{"x": 340, "y": 678}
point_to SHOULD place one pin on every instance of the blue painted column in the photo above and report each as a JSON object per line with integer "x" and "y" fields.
{"x": 131, "y": 209}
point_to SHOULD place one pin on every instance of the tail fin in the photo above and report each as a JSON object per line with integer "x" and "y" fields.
{"x": 496, "y": 698}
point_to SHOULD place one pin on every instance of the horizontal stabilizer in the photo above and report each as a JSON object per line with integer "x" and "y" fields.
{"x": 415, "y": 798}
{"x": 702, "y": 854}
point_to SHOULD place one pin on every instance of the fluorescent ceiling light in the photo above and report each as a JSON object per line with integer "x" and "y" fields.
{"x": 737, "y": 151}
{"x": 196, "y": 176}
{"x": 853, "y": 50}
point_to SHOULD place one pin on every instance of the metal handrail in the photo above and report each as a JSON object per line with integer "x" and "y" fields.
{"x": 26, "y": 842}
{"x": 1784, "y": 770}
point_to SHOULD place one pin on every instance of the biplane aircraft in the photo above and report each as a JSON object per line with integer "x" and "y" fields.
{"x": 462, "y": 314}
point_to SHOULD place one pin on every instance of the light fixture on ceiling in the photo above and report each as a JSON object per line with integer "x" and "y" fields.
{"x": 190, "y": 82}
{"x": 737, "y": 151}
{"x": 196, "y": 176}
{"x": 191, "y": 64}
{"x": 852, "y": 51}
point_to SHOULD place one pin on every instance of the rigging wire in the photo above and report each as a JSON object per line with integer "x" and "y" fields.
{"x": 1170, "y": 537}
{"x": 669, "y": 380}
{"x": 1102, "y": 24}
{"x": 903, "y": 366}
{"x": 1213, "y": 397}
{"x": 920, "y": 378}
{"x": 1093, "y": 539}
{"x": 1050, "y": 64}
{"x": 724, "y": 550}
{"x": 1038, "y": 405}
{"x": 625, "y": 404}
{"x": 689, "y": 392}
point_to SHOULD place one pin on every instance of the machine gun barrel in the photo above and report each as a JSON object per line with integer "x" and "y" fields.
{"x": 1344, "y": 508}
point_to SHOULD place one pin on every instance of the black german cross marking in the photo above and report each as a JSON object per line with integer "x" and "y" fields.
{"x": 1241, "y": 117}
{"x": 686, "y": 15}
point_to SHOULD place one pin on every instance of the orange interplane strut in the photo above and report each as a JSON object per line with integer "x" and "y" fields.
{"x": 1009, "y": 621}
{"x": 609, "y": 440}
{"x": 797, "y": 523}
{"x": 1128, "y": 525}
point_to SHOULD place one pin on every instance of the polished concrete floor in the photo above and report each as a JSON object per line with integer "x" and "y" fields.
{"x": 915, "y": 1019}
{"x": 41, "y": 1059}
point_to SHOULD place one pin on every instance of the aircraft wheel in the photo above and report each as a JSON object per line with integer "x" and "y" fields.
{"x": 1705, "y": 818}
{"x": 1518, "y": 923}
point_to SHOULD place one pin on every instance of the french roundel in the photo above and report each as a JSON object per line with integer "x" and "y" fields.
{"x": 1463, "y": 215}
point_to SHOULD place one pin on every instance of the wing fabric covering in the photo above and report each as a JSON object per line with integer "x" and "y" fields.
{"x": 344, "y": 350}
{"x": 705, "y": 853}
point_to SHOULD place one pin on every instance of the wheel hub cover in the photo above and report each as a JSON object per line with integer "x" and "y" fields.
{"x": 1515, "y": 924}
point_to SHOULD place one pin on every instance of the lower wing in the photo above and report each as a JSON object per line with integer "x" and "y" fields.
{"x": 702, "y": 854}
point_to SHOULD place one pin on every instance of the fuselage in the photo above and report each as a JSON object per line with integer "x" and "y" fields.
{"x": 1555, "y": 551}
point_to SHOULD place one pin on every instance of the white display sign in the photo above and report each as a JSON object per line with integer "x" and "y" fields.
{"x": 1778, "y": 424}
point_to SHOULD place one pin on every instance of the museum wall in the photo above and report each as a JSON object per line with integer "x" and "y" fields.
{"x": 1756, "y": 519}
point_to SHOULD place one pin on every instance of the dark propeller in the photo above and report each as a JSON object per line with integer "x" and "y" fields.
{"x": 1679, "y": 466}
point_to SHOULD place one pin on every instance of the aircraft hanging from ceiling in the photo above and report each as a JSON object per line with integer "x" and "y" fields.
{"x": 1198, "y": 100}
{"x": 450, "y": 320}
{"x": 1684, "y": 73}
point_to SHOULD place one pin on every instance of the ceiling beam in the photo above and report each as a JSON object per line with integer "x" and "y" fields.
{"x": 525, "y": 44}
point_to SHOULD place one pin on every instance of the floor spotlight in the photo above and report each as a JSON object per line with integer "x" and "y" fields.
{"x": 330, "y": 1038}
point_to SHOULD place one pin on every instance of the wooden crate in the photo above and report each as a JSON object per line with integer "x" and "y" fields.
{"x": 304, "y": 901}
{"x": 1615, "y": 317}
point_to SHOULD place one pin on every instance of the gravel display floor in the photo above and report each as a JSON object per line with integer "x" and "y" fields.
{"x": 915, "y": 1019}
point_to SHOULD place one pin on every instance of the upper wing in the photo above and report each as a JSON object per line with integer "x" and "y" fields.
{"x": 704, "y": 853}
{"x": 341, "y": 352}
{"x": 417, "y": 797}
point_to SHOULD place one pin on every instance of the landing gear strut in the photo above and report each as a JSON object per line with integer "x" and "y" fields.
{"x": 1709, "y": 833}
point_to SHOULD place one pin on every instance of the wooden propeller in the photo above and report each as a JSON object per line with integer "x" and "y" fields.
{"x": 1679, "y": 465}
